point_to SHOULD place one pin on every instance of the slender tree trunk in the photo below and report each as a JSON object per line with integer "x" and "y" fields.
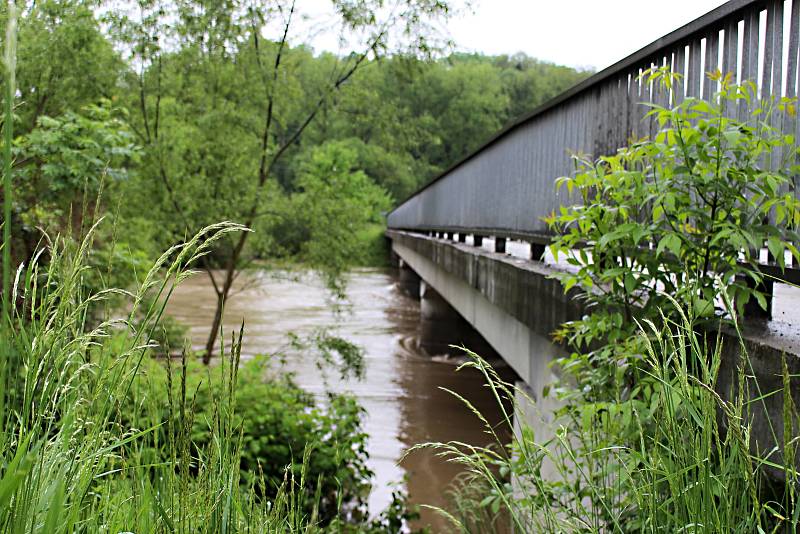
{"x": 223, "y": 292}
{"x": 222, "y": 297}
{"x": 215, "y": 325}
{"x": 267, "y": 163}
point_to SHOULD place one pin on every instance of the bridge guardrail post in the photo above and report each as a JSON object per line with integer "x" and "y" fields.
{"x": 752, "y": 308}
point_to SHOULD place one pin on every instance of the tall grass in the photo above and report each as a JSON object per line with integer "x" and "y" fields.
{"x": 8, "y": 134}
{"x": 677, "y": 458}
{"x": 76, "y": 457}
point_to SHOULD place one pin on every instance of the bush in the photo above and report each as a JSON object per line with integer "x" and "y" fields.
{"x": 279, "y": 426}
{"x": 664, "y": 239}
{"x": 681, "y": 216}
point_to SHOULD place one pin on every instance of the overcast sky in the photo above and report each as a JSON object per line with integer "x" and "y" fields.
{"x": 593, "y": 33}
{"x": 578, "y": 33}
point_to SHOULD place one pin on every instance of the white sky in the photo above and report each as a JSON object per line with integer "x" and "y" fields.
{"x": 578, "y": 33}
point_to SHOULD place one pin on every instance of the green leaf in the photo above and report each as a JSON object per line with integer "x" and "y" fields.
{"x": 761, "y": 299}
{"x": 776, "y": 248}
{"x": 670, "y": 242}
{"x": 703, "y": 307}
{"x": 630, "y": 282}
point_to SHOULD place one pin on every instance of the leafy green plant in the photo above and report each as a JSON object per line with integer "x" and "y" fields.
{"x": 323, "y": 220}
{"x": 64, "y": 160}
{"x": 674, "y": 217}
{"x": 688, "y": 468}
{"x": 279, "y": 427}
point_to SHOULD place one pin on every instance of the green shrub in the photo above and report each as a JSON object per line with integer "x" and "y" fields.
{"x": 674, "y": 459}
{"x": 681, "y": 216}
{"x": 279, "y": 427}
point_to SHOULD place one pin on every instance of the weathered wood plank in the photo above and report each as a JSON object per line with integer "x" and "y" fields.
{"x": 712, "y": 62}
{"x": 766, "y": 74}
{"x": 695, "y": 72}
{"x": 679, "y": 66}
{"x": 777, "y": 50}
{"x": 791, "y": 65}
{"x": 730, "y": 59}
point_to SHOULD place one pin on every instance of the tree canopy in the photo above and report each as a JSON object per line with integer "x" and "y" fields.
{"x": 177, "y": 115}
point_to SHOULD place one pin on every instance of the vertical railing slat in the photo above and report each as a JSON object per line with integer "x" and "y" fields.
{"x": 712, "y": 58}
{"x": 750, "y": 52}
{"x": 777, "y": 50}
{"x": 731, "y": 59}
{"x": 766, "y": 73}
{"x": 694, "y": 74}
{"x": 791, "y": 65}
{"x": 680, "y": 68}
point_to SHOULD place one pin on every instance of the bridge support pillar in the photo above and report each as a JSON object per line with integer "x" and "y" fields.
{"x": 442, "y": 326}
{"x": 408, "y": 280}
{"x": 500, "y": 245}
{"x": 440, "y": 323}
{"x": 394, "y": 259}
{"x": 537, "y": 251}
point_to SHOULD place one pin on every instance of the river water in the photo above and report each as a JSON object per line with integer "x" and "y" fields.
{"x": 401, "y": 390}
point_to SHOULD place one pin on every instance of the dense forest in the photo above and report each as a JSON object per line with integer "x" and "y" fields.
{"x": 176, "y": 128}
{"x": 206, "y": 129}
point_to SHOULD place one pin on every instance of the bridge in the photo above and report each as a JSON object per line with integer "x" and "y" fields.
{"x": 474, "y": 241}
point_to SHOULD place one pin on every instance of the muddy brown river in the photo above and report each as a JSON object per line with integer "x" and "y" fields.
{"x": 401, "y": 389}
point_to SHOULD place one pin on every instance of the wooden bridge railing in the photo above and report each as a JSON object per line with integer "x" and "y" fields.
{"x": 506, "y": 187}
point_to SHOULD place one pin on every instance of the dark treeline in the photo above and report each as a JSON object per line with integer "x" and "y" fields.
{"x": 409, "y": 120}
{"x": 176, "y": 130}
{"x": 184, "y": 114}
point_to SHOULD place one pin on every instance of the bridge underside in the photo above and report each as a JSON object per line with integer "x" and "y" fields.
{"x": 512, "y": 303}
{"x": 516, "y": 305}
